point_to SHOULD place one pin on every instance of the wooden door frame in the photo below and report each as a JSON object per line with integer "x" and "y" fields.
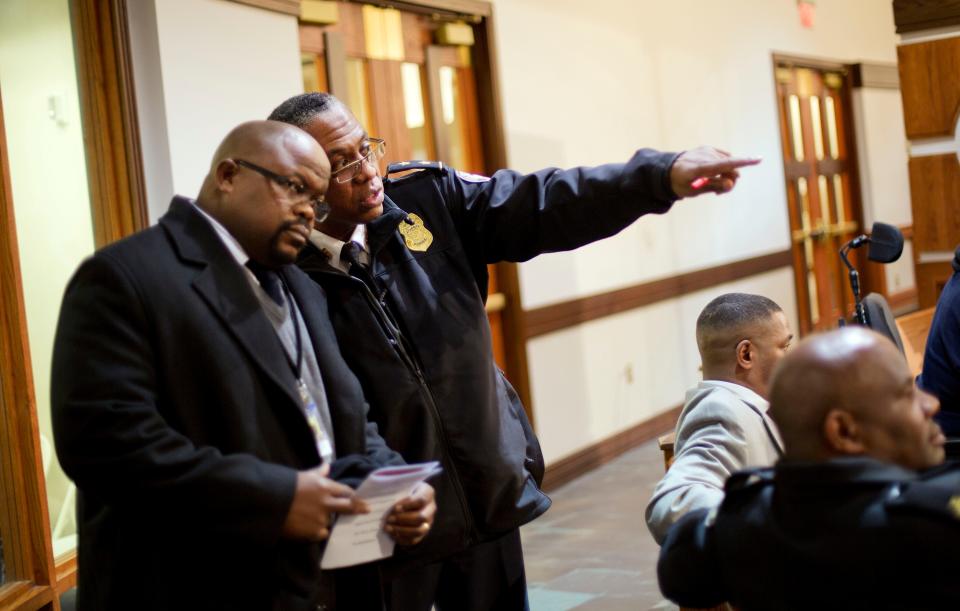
{"x": 109, "y": 116}
{"x": 118, "y": 208}
{"x": 868, "y": 277}
{"x": 23, "y": 504}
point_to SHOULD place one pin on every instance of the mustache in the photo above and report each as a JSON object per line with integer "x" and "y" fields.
{"x": 291, "y": 224}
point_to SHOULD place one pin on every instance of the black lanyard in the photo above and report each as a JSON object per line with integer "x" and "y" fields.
{"x": 295, "y": 366}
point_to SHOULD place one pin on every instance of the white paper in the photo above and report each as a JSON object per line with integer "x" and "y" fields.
{"x": 360, "y": 538}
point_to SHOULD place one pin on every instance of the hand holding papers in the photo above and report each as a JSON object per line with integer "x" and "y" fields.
{"x": 360, "y": 538}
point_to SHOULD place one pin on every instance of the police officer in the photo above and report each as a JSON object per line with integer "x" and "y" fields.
{"x": 847, "y": 519}
{"x": 404, "y": 266}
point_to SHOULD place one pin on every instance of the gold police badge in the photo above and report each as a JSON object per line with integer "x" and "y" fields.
{"x": 954, "y": 505}
{"x": 415, "y": 234}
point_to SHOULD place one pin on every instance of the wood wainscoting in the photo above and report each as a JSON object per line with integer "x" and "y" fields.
{"x": 928, "y": 61}
{"x": 559, "y": 316}
{"x": 919, "y": 15}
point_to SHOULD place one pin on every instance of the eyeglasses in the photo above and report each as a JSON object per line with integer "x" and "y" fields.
{"x": 295, "y": 190}
{"x": 371, "y": 151}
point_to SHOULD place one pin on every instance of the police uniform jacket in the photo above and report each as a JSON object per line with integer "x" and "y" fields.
{"x": 850, "y": 533}
{"x": 420, "y": 340}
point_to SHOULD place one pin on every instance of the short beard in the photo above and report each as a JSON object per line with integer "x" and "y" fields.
{"x": 273, "y": 248}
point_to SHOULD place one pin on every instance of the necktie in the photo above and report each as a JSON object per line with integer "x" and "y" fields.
{"x": 350, "y": 254}
{"x": 269, "y": 280}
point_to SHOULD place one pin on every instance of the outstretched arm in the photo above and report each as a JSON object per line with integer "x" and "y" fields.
{"x": 514, "y": 217}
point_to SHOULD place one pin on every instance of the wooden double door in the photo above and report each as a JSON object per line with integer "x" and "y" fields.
{"x": 819, "y": 168}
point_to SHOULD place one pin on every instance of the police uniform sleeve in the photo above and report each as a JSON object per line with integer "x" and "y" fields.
{"x": 514, "y": 217}
{"x": 688, "y": 567}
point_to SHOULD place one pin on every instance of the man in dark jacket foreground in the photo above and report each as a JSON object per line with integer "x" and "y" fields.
{"x": 848, "y": 519}
{"x": 404, "y": 265}
{"x": 202, "y": 406}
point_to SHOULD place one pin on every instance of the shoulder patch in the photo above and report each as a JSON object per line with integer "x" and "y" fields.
{"x": 748, "y": 479}
{"x": 405, "y": 166}
{"x": 472, "y": 177}
{"x": 916, "y": 497}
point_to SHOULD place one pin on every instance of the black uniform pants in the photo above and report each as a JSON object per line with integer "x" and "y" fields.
{"x": 486, "y": 577}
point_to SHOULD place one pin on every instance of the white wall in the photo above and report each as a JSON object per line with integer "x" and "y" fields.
{"x": 885, "y": 184}
{"x": 588, "y": 82}
{"x": 151, "y": 110}
{"x": 216, "y": 64}
{"x": 626, "y": 368}
{"x": 48, "y": 178}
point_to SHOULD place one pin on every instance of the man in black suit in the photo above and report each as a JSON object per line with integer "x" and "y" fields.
{"x": 202, "y": 406}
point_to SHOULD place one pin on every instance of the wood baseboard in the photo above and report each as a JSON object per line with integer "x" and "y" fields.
{"x": 903, "y": 302}
{"x": 600, "y": 453}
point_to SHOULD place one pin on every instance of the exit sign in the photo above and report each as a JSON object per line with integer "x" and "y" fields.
{"x": 807, "y": 9}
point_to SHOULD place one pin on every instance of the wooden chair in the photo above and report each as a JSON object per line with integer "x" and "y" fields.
{"x": 913, "y": 329}
{"x": 666, "y": 446}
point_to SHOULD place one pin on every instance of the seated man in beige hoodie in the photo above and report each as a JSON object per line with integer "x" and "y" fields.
{"x": 724, "y": 425}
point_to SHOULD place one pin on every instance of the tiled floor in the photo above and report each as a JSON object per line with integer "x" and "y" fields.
{"x": 592, "y": 551}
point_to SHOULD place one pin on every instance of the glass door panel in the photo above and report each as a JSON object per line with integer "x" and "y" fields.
{"x": 314, "y": 72}
{"x": 454, "y": 99}
{"x": 358, "y": 92}
{"x": 48, "y": 178}
{"x": 415, "y": 111}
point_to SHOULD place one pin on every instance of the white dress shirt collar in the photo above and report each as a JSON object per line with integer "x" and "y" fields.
{"x": 227, "y": 238}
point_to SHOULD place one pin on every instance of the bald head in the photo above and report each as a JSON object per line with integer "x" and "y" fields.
{"x": 741, "y": 338}
{"x": 265, "y": 141}
{"x": 850, "y": 392}
{"x": 263, "y": 185}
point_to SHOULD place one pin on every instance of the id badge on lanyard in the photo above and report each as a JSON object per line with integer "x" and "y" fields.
{"x": 312, "y": 412}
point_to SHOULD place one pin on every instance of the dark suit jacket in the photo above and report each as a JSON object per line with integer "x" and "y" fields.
{"x": 847, "y": 533}
{"x": 176, "y": 413}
